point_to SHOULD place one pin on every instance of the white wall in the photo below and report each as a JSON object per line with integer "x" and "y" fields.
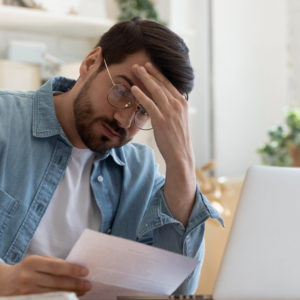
{"x": 249, "y": 78}
{"x": 294, "y": 52}
{"x": 190, "y": 19}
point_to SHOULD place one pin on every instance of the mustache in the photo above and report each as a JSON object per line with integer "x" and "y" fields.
{"x": 114, "y": 125}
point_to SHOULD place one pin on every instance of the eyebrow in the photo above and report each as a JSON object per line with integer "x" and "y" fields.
{"x": 130, "y": 82}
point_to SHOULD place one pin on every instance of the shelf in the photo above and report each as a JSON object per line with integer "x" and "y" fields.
{"x": 31, "y": 20}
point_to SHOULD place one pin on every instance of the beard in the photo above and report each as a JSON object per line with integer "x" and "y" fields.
{"x": 86, "y": 124}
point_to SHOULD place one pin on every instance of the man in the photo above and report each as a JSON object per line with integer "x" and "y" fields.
{"x": 66, "y": 163}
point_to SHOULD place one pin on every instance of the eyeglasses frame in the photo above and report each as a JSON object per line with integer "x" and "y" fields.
{"x": 114, "y": 84}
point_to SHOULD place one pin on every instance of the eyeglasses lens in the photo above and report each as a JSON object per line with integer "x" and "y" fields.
{"x": 121, "y": 97}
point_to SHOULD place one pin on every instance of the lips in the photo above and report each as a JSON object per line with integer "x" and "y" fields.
{"x": 111, "y": 133}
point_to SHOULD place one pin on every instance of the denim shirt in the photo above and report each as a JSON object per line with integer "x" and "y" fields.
{"x": 34, "y": 153}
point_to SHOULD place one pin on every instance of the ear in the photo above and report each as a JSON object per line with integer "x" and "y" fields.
{"x": 91, "y": 63}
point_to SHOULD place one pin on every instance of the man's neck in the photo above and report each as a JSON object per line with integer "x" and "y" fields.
{"x": 63, "y": 104}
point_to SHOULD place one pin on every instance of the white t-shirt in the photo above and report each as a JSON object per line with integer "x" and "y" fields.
{"x": 71, "y": 210}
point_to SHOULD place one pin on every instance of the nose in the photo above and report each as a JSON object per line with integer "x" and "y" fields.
{"x": 125, "y": 117}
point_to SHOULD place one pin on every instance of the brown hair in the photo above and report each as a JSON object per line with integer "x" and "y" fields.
{"x": 167, "y": 50}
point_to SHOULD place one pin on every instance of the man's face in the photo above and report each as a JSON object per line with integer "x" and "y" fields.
{"x": 100, "y": 125}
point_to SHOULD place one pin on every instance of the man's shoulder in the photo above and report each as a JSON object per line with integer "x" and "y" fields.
{"x": 15, "y": 94}
{"x": 15, "y": 110}
{"x": 10, "y": 98}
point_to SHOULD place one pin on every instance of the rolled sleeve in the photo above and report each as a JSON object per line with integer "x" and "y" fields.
{"x": 159, "y": 226}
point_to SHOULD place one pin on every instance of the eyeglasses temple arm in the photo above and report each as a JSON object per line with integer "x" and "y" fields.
{"x": 108, "y": 71}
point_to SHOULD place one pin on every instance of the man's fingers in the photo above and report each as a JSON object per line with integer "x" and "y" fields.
{"x": 144, "y": 100}
{"x": 156, "y": 90}
{"x": 54, "y": 266}
{"x": 25, "y": 290}
{"x": 38, "y": 274}
{"x": 62, "y": 282}
{"x": 161, "y": 78}
{"x": 161, "y": 89}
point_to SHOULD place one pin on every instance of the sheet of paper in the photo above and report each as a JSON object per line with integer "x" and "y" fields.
{"x": 122, "y": 267}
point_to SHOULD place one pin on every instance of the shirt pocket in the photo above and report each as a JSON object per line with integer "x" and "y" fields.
{"x": 8, "y": 206}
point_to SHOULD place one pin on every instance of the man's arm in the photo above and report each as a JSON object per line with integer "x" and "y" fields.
{"x": 40, "y": 274}
{"x": 168, "y": 110}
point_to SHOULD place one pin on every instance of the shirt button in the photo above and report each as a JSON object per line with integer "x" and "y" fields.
{"x": 100, "y": 178}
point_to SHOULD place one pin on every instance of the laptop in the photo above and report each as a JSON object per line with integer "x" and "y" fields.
{"x": 262, "y": 256}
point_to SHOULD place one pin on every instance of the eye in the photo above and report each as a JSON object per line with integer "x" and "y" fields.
{"x": 122, "y": 90}
{"x": 122, "y": 94}
{"x": 141, "y": 110}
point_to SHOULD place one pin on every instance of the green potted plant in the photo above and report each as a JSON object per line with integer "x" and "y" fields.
{"x": 138, "y": 8}
{"x": 283, "y": 147}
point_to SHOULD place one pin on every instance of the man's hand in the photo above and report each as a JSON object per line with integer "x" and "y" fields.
{"x": 168, "y": 110}
{"x": 41, "y": 274}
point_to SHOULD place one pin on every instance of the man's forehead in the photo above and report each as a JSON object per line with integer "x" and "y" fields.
{"x": 134, "y": 81}
{"x": 124, "y": 69}
{"x": 126, "y": 78}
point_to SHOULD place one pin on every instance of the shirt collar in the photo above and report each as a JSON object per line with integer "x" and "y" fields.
{"x": 116, "y": 154}
{"x": 45, "y": 123}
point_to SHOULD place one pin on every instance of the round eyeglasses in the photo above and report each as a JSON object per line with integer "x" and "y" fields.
{"x": 119, "y": 96}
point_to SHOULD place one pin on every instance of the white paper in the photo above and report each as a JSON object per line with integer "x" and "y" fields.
{"x": 119, "y": 267}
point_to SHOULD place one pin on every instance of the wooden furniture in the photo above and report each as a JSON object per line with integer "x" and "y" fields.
{"x": 216, "y": 236}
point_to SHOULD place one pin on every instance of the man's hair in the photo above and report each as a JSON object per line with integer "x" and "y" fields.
{"x": 167, "y": 50}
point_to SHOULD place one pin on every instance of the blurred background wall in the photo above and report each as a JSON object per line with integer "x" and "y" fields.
{"x": 249, "y": 78}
